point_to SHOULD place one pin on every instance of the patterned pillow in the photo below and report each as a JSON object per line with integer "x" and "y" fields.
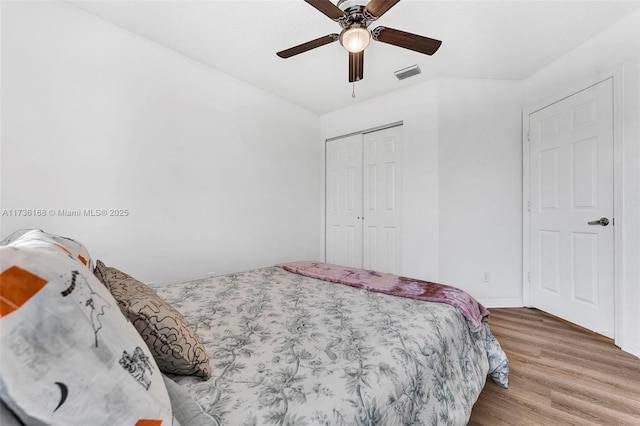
{"x": 175, "y": 345}
{"x": 37, "y": 236}
{"x": 69, "y": 356}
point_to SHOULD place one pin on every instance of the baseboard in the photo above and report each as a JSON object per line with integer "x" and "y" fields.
{"x": 502, "y": 303}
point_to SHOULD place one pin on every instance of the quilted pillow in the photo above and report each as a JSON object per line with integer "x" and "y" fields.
{"x": 69, "y": 356}
{"x": 73, "y": 248}
{"x": 175, "y": 345}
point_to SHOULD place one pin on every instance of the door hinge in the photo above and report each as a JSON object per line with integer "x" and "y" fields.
{"x": 528, "y": 206}
{"x": 529, "y": 135}
{"x": 529, "y": 277}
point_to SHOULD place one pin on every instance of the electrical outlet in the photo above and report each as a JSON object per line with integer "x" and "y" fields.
{"x": 486, "y": 277}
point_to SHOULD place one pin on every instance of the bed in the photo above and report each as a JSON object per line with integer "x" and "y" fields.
{"x": 288, "y": 349}
{"x": 304, "y": 343}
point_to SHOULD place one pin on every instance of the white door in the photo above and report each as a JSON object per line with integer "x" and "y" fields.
{"x": 571, "y": 189}
{"x": 363, "y": 201}
{"x": 343, "y": 202}
{"x": 382, "y": 200}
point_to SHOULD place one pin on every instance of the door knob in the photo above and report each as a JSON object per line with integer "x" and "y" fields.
{"x": 602, "y": 221}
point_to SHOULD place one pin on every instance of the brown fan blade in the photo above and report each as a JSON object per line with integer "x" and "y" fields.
{"x": 356, "y": 66}
{"x": 301, "y": 48}
{"x": 328, "y": 8}
{"x": 410, "y": 41}
{"x": 377, "y": 8}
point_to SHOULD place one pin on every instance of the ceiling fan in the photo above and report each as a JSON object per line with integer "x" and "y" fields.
{"x": 355, "y": 16}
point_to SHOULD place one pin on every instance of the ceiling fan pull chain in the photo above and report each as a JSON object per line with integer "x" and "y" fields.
{"x": 353, "y": 93}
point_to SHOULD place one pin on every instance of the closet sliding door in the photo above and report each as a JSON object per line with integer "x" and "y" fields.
{"x": 343, "y": 203}
{"x": 382, "y": 212}
{"x": 363, "y": 206}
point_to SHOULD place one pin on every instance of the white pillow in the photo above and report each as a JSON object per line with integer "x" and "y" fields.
{"x": 7, "y": 418}
{"x": 185, "y": 409}
{"x": 69, "y": 355}
{"x": 73, "y": 248}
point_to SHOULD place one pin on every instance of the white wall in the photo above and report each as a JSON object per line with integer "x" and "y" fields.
{"x": 94, "y": 117}
{"x": 480, "y": 195}
{"x": 614, "y": 51}
{"x": 462, "y": 180}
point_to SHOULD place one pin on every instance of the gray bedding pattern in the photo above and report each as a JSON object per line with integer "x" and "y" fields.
{"x": 292, "y": 350}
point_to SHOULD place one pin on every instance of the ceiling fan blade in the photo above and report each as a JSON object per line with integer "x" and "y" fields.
{"x": 377, "y": 8}
{"x": 301, "y": 48}
{"x": 328, "y": 8}
{"x": 356, "y": 66}
{"x": 410, "y": 41}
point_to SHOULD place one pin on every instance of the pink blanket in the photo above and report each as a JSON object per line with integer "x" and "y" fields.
{"x": 395, "y": 285}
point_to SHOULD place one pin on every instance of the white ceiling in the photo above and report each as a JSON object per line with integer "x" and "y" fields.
{"x": 481, "y": 39}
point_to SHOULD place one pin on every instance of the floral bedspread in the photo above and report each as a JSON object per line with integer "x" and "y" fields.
{"x": 293, "y": 350}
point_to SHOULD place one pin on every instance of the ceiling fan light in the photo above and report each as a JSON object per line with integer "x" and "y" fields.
{"x": 355, "y": 39}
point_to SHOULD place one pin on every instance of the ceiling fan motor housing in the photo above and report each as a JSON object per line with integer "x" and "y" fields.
{"x": 354, "y": 13}
{"x": 345, "y": 5}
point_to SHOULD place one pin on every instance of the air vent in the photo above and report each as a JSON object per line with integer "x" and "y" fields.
{"x": 407, "y": 72}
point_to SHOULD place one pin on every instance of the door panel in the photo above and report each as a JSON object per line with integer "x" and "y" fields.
{"x": 584, "y": 283}
{"x": 550, "y": 261}
{"x": 343, "y": 210}
{"x": 571, "y": 184}
{"x": 382, "y": 194}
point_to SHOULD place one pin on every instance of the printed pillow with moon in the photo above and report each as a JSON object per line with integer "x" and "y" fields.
{"x": 69, "y": 355}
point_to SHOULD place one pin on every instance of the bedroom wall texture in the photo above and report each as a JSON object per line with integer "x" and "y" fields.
{"x": 462, "y": 189}
{"x": 94, "y": 117}
{"x": 617, "y": 49}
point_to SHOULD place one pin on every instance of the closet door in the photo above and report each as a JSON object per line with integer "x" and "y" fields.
{"x": 363, "y": 201}
{"x": 382, "y": 200}
{"x": 343, "y": 203}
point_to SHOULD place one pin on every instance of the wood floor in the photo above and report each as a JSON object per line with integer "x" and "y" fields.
{"x": 560, "y": 375}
